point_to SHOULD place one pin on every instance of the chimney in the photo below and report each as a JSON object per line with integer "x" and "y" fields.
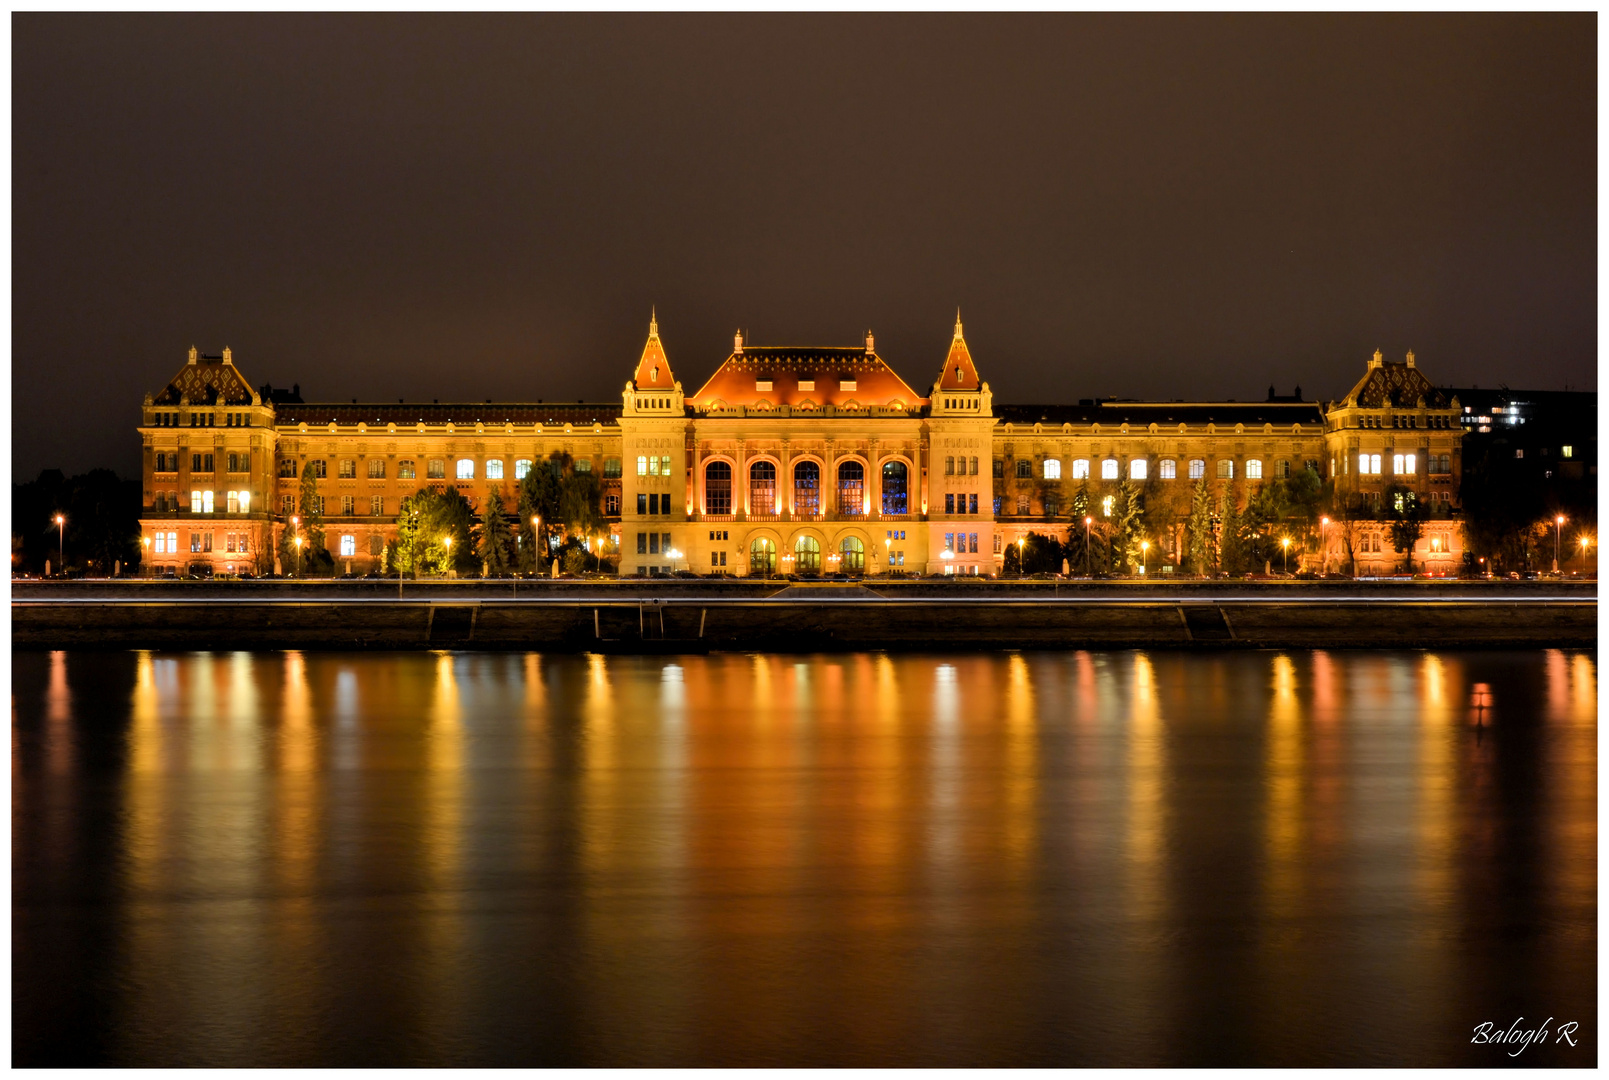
{"x": 870, "y": 346}
{"x": 737, "y": 343}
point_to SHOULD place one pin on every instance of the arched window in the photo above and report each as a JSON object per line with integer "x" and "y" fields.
{"x": 894, "y": 487}
{"x": 1109, "y": 469}
{"x": 1081, "y": 469}
{"x": 763, "y": 488}
{"x": 1198, "y": 468}
{"x": 466, "y": 468}
{"x": 1052, "y": 468}
{"x": 1137, "y": 468}
{"x": 1254, "y": 469}
{"x": 807, "y": 488}
{"x": 807, "y": 554}
{"x": 1167, "y": 469}
{"x": 762, "y": 557}
{"x": 854, "y": 556}
{"x": 718, "y": 488}
{"x": 852, "y": 488}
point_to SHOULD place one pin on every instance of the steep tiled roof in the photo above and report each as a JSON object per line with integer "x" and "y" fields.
{"x": 959, "y": 372}
{"x": 206, "y": 380}
{"x": 1164, "y": 413}
{"x": 581, "y": 414}
{"x": 739, "y": 379}
{"x": 653, "y": 370}
{"x": 1401, "y": 385}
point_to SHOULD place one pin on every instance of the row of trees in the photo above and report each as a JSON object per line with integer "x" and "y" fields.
{"x": 100, "y": 526}
{"x": 438, "y": 531}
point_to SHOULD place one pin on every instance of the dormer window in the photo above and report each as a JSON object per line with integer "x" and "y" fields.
{"x": 655, "y": 376}
{"x": 807, "y": 384}
{"x": 846, "y": 384}
{"x": 762, "y": 386}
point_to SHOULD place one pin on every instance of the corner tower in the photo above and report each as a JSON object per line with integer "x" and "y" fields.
{"x": 653, "y": 489}
{"x": 960, "y": 487}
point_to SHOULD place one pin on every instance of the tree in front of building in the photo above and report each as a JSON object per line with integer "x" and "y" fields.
{"x": 1129, "y": 526}
{"x": 310, "y": 558}
{"x": 1076, "y": 550}
{"x": 434, "y": 535}
{"x": 1203, "y": 549}
{"x": 541, "y": 496}
{"x": 1406, "y": 515}
{"x": 1231, "y": 544}
{"x": 496, "y": 545}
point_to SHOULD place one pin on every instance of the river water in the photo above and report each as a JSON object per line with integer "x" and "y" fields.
{"x": 984, "y": 859}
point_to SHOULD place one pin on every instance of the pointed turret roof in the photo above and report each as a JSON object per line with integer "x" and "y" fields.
{"x": 959, "y": 372}
{"x": 653, "y": 370}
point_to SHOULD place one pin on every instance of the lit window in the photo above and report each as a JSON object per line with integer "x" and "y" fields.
{"x": 1567, "y": 451}
{"x": 233, "y": 503}
{"x": 611, "y": 468}
{"x": 206, "y": 502}
{"x": 522, "y": 467}
{"x": 1137, "y": 469}
{"x": 582, "y": 466}
{"x": 1226, "y": 469}
{"x": 1254, "y": 469}
{"x": 949, "y": 466}
{"x": 664, "y": 465}
{"x": 377, "y": 468}
{"x": 1168, "y": 469}
{"x": 1109, "y": 469}
{"x": 642, "y": 466}
{"x": 1198, "y": 468}
{"x": 161, "y": 543}
{"x": 349, "y": 546}
{"x": 494, "y": 469}
{"x": 466, "y": 469}
{"x": 437, "y": 469}
{"x": 1052, "y": 469}
{"x": 405, "y": 470}
{"x": 245, "y": 502}
{"x": 173, "y": 543}
{"x": 1106, "y": 505}
{"x": 1081, "y": 469}
{"x": 349, "y": 469}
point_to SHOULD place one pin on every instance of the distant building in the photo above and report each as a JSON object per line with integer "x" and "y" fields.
{"x": 790, "y": 460}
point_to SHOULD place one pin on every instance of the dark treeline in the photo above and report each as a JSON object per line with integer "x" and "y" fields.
{"x": 102, "y": 526}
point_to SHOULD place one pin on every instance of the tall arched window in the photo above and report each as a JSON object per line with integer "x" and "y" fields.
{"x": 854, "y": 556}
{"x": 807, "y": 488}
{"x": 852, "y": 488}
{"x": 894, "y": 487}
{"x": 763, "y": 488}
{"x": 762, "y": 557}
{"x": 718, "y": 488}
{"x": 807, "y": 554}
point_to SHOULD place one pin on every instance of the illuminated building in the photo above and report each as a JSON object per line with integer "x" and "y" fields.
{"x": 787, "y": 460}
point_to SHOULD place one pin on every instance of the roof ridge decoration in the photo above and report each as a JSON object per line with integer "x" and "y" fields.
{"x": 653, "y": 369}
{"x": 1387, "y": 384}
{"x": 831, "y": 375}
{"x": 959, "y": 373}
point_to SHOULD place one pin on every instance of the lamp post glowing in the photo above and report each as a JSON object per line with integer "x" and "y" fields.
{"x": 146, "y": 540}
{"x": 1087, "y": 561}
{"x": 1019, "y": 556}
{"x": 1285, "y": 551}
{"x": 1324, "y": 542}
{"x": 1586, "y": 542}
{"x": 888, "y": 555}
{"x": 1558, "y": 527}
{"x": 947, "y": 555}
{"x": 61, "y": 538}
{"x": 1145, "y": 547}
{"x": 298, "y": 556}
{"x": 536, "y": 525}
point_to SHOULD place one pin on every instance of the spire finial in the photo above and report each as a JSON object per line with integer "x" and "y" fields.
{"x": 653, "y": 321}
{"x": 958, "y": 321}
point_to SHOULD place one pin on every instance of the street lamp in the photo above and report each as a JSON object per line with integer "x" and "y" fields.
{"x": 298, "y": 555}
{"x": 947, "y": 555}
{"x": 1324, "y": 542}
{"x": 1145, "y": 546}
{"x": 536, "y": 525}
{"x": 1087, "y": 565}
{"x": 61, "y": 537}
{"x": 146, "y": 540}
{"x": 1558, "y": 527}
{"x": 1285, "y": 551}
{"x": 1586, "y": 541}
{"x": 888, "y": 555}
{"x": 1019, "y": 556}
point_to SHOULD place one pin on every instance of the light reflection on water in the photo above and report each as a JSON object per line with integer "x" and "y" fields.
{"x": 1069, "y": 858}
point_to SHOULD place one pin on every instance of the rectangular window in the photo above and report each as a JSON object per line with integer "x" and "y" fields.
{"x": 376, "y": 544}
{"x": 1109, "y": 469}
{"x": 318, "y": 468}
{"x": 642, "y": 543}
{"x": 611, "y": 504}
{"x": 287, "y": 469}
{"x": 1052, "y": 468}
{"x": 348, "y": 505}
{"x": 611, "y": 468}
{"x": 233, "y": 504}
{"x": 999, "y": 469}
{"x": 1198, "y": 468}
{"x": 846, "y": 384}
{"x": 377, "y": 506}
{"x": 1409, "y": 464}
{"x": 1022, "y": 505}
{"x": 949, "y": 541}
{"x": 1226, "y": 469}
{"x": 466, "y": 469}
{"x": 972, "y": 543}
{"x": 949, "y": 503}
{"x": 195, "y": 543}
{"x": 1254, "y": 469}
{"x": 436, "y": 469}
{"x": 654, "y": 502}
{"x": 206, "y": 502}
{"x": 1282, "y": 469}
{"x": 653, "y": 466}
{"x": 377, "y": 468}
{"x": 287, "y": 505}
{"x": 1081, "y": 468}
{"x": 195, "y": 502}
{"x": 349, "y": 546}
{"x": 642, "y": 503}
{"x": 582, "y": 466}
{"x": 1519, "y": 453}
{"x": 653, "y": 543}
{"x": 161, "y": 543}
{"x": 206, "y": 541}
{"x": 1168, "y": 469}
{"x": 972, "y": 504}
{"x": 1137, "y": 469}
{"x": 642, "y": 466}
{"x": 1025, "y": 469}
{"x": 997, "y": 543}
{"x": 949, "y": 466}
{"x": 664, "y": 465}
{"x": 349, "y": 469}
{"x": 406, "y": 470}
{"x": 1567, "y": 451}
{"x": 974, "y": 466}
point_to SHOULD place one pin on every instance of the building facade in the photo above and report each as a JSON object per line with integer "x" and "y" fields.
{"x": 793, "y": 461}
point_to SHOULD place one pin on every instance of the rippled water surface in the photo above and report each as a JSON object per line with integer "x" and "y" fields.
{"x": 1072, "y": 858}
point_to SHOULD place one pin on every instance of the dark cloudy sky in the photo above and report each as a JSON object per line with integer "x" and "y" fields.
{"x": 474, "y": 207}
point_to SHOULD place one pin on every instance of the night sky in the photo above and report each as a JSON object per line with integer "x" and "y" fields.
{"x": 486, "y": 207}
